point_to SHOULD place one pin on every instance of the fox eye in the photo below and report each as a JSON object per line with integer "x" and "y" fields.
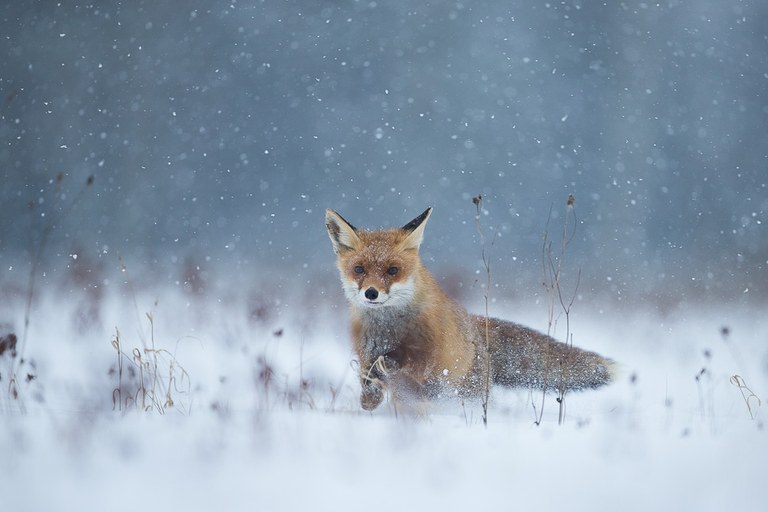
{"x": 359, "y": 269}
{"x": 392, "y": 271}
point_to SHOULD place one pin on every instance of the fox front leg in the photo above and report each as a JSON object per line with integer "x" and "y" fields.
{"x": 371, "y": 396}
{"x": 374, "y": 380}
{"x": 385, "y": 373}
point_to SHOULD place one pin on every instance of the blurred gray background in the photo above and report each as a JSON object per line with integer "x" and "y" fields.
{"x": 218, "y": 132}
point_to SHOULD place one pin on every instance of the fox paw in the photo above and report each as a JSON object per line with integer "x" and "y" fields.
{"x": 371, "y": 397}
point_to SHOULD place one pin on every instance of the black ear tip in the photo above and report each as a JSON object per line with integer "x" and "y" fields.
{"x": 418, "y": 221}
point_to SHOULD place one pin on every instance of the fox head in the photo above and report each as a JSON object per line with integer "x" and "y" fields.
{"x": 378, "y": 268}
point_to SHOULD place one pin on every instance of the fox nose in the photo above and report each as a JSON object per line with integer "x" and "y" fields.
{"x": 371, "y": 293}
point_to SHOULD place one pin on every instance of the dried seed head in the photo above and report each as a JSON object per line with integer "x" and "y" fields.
{"x": 8, "y": 343}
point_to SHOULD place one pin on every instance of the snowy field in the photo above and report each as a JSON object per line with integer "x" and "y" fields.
{"x": 265, "y": 415}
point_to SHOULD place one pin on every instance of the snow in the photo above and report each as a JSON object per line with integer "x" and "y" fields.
{"x": 321, "y": 461}
{"x": 658, "y": 439}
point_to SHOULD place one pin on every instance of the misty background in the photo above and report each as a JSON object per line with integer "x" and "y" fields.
{"x": 218, "y": 132}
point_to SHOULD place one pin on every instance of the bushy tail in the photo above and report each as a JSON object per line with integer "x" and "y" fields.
{"x": 527, "y": 358}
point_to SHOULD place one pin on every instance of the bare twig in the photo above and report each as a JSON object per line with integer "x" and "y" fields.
{"x": 149, "y": 387}
{"x": 51, "y": 218}
{"x": 553, "y": 268}
{"x": 478, "y": 200}
{"x": 739, "y": 382}
{"x": 37, "y": 255}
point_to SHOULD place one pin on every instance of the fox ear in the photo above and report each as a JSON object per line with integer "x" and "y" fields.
{"x": 415, "y": 230}
{"x": 341, "y": 232}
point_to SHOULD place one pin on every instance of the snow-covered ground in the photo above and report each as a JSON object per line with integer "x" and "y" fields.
{"x": 265, "y": 414}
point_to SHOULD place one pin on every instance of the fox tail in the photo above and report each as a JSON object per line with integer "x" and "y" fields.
{"x": 523, "y": 357}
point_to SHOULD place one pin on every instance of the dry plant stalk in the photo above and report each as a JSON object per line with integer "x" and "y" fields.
{"x": 56, "y": 214}
{"x": 150, "y": 388}
{"x": 53, "y": 216}
{"x": 739, "y": 382}
{"x": 553, "y": 268}
{"x": 706, "y": 396}
{"x": 8, "y": 345}
{"x": 478, "y": 200}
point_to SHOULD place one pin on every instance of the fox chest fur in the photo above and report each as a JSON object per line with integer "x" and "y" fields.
{"x": 411, "y": 357}
{"x": 420, "y": 344}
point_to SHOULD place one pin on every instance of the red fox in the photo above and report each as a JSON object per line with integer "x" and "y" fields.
{"x": 416, "y": 343}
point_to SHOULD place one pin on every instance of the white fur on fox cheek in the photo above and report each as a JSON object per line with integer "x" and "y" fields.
{"x": 401, "y": 293}
{"x": 350, "y": 290}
